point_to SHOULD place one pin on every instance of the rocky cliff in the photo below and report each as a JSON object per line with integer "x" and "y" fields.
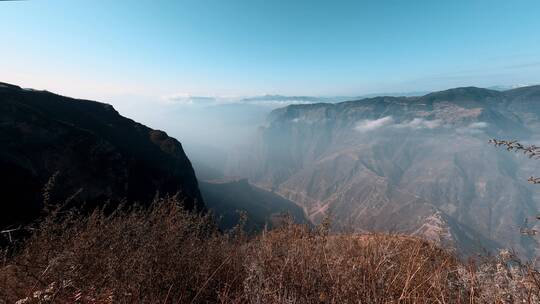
{"x": 92, "y": 153}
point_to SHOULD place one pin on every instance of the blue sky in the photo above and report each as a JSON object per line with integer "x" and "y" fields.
{"x": 110, "y": 50}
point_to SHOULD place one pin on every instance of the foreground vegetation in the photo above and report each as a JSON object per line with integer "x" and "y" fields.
{"x": 167, "y": 255}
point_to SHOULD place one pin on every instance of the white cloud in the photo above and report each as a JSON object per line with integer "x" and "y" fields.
{"x": 271, "y": 101}
{"x": 478, "y": 125}
{"x": 420, "y": 123}
{"x": 368, "y": 125}
{"x": 473, "y": 128}
{"x": 187, "y": 99}
{"x": 414, "y": 124}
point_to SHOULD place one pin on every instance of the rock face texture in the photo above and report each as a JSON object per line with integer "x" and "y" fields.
{"x": 419, "y": 165}
{"x": 93, "y": 154}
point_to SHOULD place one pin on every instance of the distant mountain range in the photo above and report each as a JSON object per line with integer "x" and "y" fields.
{"x": 274, "y": 100}
{"x": 420, "y": 165}
{"x": 277, "y": 100}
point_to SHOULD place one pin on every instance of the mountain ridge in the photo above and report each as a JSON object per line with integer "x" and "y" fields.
{"x": 360, "y": 160}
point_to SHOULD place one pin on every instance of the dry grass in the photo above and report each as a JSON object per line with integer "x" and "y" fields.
{"x": 167, "y": 255}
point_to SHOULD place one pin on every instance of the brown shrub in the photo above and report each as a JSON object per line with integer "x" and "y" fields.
{"x": 167, "y": 255}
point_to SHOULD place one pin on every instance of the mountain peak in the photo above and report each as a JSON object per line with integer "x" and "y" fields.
{"x": 463, "y": 92}
{"x": 4, "y": 85}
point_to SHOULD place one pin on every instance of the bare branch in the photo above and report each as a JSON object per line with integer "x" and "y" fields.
{"x": 534, "y": 180}
{"x": 531, "y": 151}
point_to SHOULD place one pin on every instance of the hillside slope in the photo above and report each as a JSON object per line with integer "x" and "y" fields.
{"x": 420, "y": 165}
{"x": 94, "y": 153}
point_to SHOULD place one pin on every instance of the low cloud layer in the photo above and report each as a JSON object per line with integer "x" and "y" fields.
{"x": 368, "y": 125}
{"x": 473, "y": 128}
{"x": 388, "y": 122}
{"x": 186, "y": 99}
{"x": 420, "y": 123}
{"x": 269, "y": 101}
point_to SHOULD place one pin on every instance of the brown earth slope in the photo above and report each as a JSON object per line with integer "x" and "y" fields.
{"x": 420, "y": 165}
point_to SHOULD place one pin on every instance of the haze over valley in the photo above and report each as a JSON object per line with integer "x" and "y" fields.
{"x": 420, "y": 165}
{"x": 253, "y": 152}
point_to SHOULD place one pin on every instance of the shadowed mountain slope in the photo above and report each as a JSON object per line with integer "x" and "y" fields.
{"x": 94, "y": 153}
{"x": 263, "y": 208}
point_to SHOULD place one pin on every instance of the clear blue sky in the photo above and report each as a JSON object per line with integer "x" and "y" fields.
{"x": 104, "y": 48}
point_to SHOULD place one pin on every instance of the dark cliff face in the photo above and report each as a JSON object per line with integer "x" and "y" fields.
{"x": 95, "y": 154}
{"x": 420, "y": 165}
